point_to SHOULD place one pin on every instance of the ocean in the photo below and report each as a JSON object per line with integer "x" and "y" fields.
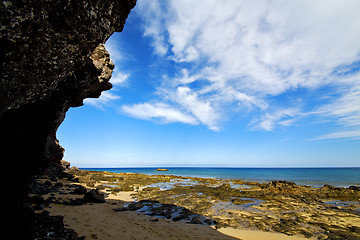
{"x": 315, "y": 177}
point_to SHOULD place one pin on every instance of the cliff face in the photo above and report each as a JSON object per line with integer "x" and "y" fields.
{"x": 51, "y": 59}
{"x": 44, "y": 40}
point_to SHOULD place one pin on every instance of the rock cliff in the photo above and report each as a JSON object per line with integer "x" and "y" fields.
{"x": 51, "y": 59}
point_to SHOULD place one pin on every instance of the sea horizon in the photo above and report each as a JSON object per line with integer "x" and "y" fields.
{"x": 312, "y": 176}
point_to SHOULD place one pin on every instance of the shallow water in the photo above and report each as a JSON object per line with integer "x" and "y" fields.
{"x": 171, "y": 212}
{"x": 238, "y": 186}
{"x": 220, "y": 208}
{"x": 173, "y": 183}
{"x": 339, "y": 203}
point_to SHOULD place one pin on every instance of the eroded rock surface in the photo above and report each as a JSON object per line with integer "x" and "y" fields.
{"x": 278, "y": 206}
{"x": 51, "y": 59}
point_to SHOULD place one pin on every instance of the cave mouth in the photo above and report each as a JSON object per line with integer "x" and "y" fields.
{"x": 52, "y": 58}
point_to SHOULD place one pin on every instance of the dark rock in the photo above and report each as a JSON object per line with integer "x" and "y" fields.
{"x": 94, "y": 196}
{"x": 50, "y": 60}
{"x": 50, "y": 199}
{"x": 38, "y": 202}
{"x": 58, "y": 185}
{"x": 38, "y": 188}
{"x": 45, "y": 213}
{"x": 196, "y": 220}
{"x": 208, "y": 221}
{"x": 178, "y": 218}
{"x": 52, "y": 227}
{"x": 48, "y": 183}
{"x": 79, "y": 190}
{"x": 73, "y": 179}
{"x": 53, "y": 178}
{"x": 355, "y": 229}
{"x": 356, "y": 188}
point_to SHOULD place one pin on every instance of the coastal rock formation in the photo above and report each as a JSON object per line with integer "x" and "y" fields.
{"x": 94, "y": 196}
{"x": 278, "y": 206}
{"x": 51, "y": 59}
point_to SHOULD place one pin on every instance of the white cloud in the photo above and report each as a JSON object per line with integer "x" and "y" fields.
{"x": 202, "y": 110}
{"x": 112, "y": 46}
{"x": 105, "y": 99}
{"x": 246, "y": 52}
{"x": 282, "y": 117}
{"x": 158, "y": 111}
{"x": 119, "y": 78}
{"x": 152, "y": 15}
{"x": 353, "y": 134}
{"x": 345, "y": 111}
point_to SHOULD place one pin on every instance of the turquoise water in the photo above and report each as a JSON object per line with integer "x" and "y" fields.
{"x": 317, "y": 177}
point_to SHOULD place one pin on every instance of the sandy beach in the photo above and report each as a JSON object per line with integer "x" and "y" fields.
{"x": 134, "y": 213}
{"x": 99, "y": 221}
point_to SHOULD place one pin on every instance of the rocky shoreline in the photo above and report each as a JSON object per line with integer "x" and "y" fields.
{"x": 279, "y": 206}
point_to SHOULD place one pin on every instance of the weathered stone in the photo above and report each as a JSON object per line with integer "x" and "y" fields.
{"x": 51, "y": 59}
{"x": 65, "y": 165}
{"x": 94, "y": 196}
{"x": 356, "y": 188}
{"x": 79, "y": 190}
{"x": 46, "y": 41}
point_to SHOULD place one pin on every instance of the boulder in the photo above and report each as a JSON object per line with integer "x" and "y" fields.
{"x": 79, "y": 190}
{"x": 94, "y": 196}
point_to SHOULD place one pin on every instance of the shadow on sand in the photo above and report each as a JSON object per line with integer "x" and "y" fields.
{"x": 114, "y": 219}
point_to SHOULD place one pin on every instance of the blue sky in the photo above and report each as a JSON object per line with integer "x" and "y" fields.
{"x": 226, "y": 83}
